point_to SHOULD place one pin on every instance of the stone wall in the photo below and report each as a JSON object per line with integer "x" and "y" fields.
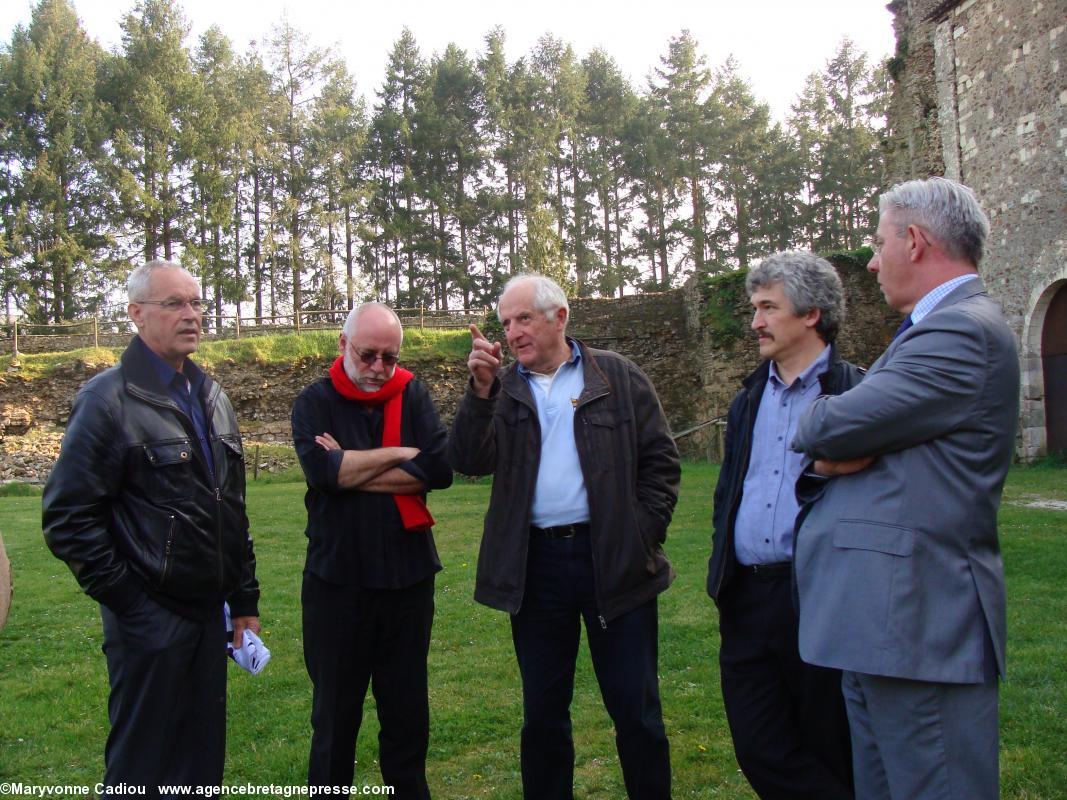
{"x": 696, "y": 373}
{"x": 981, "y": 97}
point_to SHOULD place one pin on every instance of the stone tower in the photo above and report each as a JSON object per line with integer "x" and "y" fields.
{"x": 980, "y": 96}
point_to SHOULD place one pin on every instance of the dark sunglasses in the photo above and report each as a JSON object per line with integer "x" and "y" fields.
{"x": 368, "y": 357}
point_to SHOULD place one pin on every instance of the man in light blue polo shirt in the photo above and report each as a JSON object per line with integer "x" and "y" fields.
{"x": 586, "y": 478}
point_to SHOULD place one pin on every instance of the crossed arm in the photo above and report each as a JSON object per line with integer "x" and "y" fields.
{"x": 374, "y": 470}
{"x": 389, "y": 470}
{"x": 926, "y": 389}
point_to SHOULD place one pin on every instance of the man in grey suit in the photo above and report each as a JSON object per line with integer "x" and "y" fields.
{"x": 898, "y": 566}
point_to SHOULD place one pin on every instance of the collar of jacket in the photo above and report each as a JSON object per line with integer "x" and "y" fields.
{"x": 143, "y": 380}
{"x": 965, "y": 290}
{"x": 596, "y": 382}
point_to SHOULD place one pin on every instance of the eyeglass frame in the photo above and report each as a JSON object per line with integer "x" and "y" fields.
{"x": 369, "y": 357}
{"x": 173, "y": 304}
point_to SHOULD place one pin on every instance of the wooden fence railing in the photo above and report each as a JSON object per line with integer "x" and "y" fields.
{"x": 17, "y": 335}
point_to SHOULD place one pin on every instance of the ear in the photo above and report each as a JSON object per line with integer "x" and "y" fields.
{"x": 341, "y": 342}
{"x": 811, "y": 319}
{"x": 917, "y": 242}
{"x": 136, "y": 314}
{"x": 561, "y": 318}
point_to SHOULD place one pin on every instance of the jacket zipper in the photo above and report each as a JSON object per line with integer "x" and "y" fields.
{"x": 592, "y": 542}
{"x": 166, "y": 553}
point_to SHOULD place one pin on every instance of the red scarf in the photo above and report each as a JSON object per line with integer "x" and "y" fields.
{"x": 413, "y": 512}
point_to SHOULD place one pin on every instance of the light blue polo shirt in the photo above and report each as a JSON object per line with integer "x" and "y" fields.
{"x": 559, "y": 495}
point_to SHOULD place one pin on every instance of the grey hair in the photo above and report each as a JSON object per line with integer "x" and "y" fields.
{"x": 548, "y": 296}
{"x": 140, "y": 280}
{"x": 947, "y": 209}
{"x": 353, "y": 318}
{"x": 808, "y": 282}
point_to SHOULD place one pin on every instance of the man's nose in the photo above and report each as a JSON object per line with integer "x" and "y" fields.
{"x": 875, "y": 263}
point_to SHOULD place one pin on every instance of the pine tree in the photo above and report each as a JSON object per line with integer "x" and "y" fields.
{"x": 298, "y": 72}
{"x": 52, "y": 139}
{"x": 151, "y": 89}
{"x": 683, "y": 88}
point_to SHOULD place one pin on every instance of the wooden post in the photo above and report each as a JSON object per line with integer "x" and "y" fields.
{"x": 422, "y": 316}
{"x": 96, "y": 331}
{"x": 15, "y": 351}
{"x": 237, "y": 320}
{"x": 255, "y": 463}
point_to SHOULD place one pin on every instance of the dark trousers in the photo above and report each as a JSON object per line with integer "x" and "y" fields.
{"x": 787, "y": 718}
{"x": 167, "y": 705}
{"x": 546, "y": 632}
{"x": 354, "y": 637}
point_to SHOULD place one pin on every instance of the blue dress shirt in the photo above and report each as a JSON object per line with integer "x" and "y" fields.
{"x": 763, "y": 532}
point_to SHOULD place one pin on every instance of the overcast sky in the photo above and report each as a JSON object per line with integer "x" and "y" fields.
{"x": 777, "y": 43}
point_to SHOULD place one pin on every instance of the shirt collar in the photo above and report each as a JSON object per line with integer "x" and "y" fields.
{"x": 928, "y": 302}
{"x": 810, "y": 374}
{"x": 165, "y": 372}
{"x": 576, "y": 358}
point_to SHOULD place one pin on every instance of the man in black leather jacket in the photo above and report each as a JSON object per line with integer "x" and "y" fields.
{"x": 146, "y": 505}
{"x": 787, "y": 718}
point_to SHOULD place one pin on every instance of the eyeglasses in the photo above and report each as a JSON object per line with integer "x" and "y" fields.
{"x": 368, "y": 357}
{"x": 174, "y": 304}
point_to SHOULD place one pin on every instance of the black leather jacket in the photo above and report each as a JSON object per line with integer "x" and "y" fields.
{"x": 132, "y": 508}
{"x": 629, "y": 462}
{"x": 740, "y": 424}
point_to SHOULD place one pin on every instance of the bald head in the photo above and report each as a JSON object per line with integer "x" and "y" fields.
{"x": 370, "y": 345}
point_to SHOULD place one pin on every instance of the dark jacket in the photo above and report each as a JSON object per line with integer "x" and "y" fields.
{"x": 132, "y": 507}
{"x": 629, "y": 463}
{"x": 355, "y": 537}
{"x": 740, "y": 425}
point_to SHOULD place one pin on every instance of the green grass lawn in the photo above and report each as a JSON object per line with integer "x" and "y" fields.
{"x": 53, "y": 684}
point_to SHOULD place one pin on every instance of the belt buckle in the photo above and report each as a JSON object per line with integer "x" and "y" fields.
{"x": 570, "y": 531}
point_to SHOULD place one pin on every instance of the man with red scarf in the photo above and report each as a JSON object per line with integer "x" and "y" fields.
{"x": 371, "y": 445}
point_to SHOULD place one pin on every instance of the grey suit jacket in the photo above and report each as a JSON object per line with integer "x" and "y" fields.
{"x": 898, "y": 566}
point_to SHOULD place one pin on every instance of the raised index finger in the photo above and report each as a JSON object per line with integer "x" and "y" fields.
{"x": 475, "y": 333}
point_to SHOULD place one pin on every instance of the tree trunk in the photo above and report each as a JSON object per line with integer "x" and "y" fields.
{"x": 349, "y": 278}
{"x": 257, "y": 237}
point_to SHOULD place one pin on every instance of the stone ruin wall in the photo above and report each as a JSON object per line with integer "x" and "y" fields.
{"x": 695, "y": 376}
{"x": 981, "y": 97}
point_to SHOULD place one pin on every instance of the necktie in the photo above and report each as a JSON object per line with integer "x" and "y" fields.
{"x": 907, "y": 323}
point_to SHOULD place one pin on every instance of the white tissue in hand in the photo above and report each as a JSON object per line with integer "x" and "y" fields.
{"x": 252, "y": 655}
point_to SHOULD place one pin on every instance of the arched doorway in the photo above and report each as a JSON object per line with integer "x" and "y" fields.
{"x": 1054, "y": 370}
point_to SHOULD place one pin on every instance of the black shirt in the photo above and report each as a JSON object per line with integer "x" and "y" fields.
{"x": 356, "y": 537}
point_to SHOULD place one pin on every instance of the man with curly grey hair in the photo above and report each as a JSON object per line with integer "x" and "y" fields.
{"x": 787, "y": 718}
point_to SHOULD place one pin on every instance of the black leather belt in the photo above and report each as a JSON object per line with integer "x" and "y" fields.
{"x": 767, "y": 572}
{"x": 561, "y": 531}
